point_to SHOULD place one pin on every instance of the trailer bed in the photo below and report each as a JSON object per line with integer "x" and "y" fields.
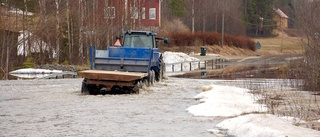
{"x": 111, "y": 75}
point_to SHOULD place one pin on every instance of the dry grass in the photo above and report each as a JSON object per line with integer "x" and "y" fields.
{"x": 270, "y": 46}
{"x": 290, "y": 102}
{"x": 274, "y": 45}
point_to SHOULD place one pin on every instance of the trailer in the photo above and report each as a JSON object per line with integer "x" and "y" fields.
{"x": 124, "y": 67}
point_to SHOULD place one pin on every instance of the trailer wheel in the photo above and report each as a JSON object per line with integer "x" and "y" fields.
{"x": 136, "y": 88}
{"x": 84, "y": 88}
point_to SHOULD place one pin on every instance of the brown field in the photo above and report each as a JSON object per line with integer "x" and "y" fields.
{"x": 283, "y": 41}
{"x": 282, "y": 44}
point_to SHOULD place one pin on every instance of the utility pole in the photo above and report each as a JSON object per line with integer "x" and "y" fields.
{"x": 192, "y": 16}
{"x": 281, "y": 27}
{"x": 222, "y": 30}
{"x": 204, "y": 18}
{"x": 57, "y": 2}
{"x": 126, "y": 13}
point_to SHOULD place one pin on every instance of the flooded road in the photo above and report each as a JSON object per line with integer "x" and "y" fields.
{"x": 56, "y": 108}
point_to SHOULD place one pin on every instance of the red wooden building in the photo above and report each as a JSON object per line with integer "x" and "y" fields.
{"x": 133, "y": 13}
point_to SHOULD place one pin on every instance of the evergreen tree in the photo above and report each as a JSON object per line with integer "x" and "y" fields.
{"x": 178, "y": 8}
{"x": 31, "y": 4}
{"x": 258, "y": 15}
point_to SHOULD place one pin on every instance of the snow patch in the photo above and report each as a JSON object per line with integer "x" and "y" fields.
{"x": 206, "y": 88}
{"x": 231, "y": 101}
{"x": 175, "y": 57}
{"x": 225, "y": 101}
{"x": 264, "y": 125}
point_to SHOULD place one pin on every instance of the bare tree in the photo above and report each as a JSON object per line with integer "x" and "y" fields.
{"x": 4, "y": 56}
{"x": 81, "y": 29}
{"x": 57, "y": 4}
{"x": 207, "y": 15}
{"x": 69, "y": 31}
{"x": 307, "y": 13}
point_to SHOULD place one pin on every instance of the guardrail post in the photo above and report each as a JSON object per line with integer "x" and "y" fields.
{"x": 205, "y": 64}
{"x": 212, "y": 63}
{"x": 203, "y": 73}
{"x": 217, "y": 61}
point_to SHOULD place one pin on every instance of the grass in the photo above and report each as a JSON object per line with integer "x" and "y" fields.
{"x": 289, "y": 44}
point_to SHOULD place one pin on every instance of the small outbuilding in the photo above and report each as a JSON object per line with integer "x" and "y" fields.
{"x": 281, "y": 18}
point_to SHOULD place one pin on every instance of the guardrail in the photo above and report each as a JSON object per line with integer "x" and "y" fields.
{"x": 194, "y": 66}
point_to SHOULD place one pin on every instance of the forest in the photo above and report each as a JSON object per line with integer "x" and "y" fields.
{"x": 60, "y": 31}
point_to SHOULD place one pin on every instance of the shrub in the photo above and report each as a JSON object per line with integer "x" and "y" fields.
{"x": 66, "y": 62}
{"x": 211, "y": 38}
{"x": 29, "y": 63}
{"x": 173, "y": 26}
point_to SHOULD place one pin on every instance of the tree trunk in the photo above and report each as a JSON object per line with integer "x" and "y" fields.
{"x": 57, "y": 2}
{"x": 69, "y": 32}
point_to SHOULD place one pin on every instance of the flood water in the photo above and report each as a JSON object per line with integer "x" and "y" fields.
{"x": 56, "y": 108}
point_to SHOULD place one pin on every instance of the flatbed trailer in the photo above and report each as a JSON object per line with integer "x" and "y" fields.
{"x": 112, "y": 75}
{"x": 100, "y": 81}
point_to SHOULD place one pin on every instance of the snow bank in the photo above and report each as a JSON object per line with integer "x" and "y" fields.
{"x": 225, "y": 101}
{"x": 174, "y": 57}
{"x": 264, "y": 125}
{"x": 35, "y": 71}
{"x": 232, "y": 101}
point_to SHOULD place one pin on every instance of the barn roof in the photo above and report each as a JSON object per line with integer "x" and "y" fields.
{"x": 281, "y": 14}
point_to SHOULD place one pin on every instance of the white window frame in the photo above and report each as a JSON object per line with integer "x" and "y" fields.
{"x": 110, "y": 12}
{"x": 143, "y": 13}
{"x": 134, "y": 12}
{"x": 152, "y": 13}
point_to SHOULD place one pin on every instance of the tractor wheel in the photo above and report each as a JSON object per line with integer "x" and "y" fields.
{"x": 160, "y": 71}
{"x": 148, "y": 80}
{"x": 153, "y": 76}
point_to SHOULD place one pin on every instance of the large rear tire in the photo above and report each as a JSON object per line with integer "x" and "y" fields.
{"x": 151, "y": 77}
{"x": 160, "y": 71}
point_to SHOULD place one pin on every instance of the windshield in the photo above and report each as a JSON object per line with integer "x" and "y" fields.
{"x": 138, "y": 41}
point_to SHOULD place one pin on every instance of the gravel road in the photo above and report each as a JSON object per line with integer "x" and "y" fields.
{"x": 56, "y": 108}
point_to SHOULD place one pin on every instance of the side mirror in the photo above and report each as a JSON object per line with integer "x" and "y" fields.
{"x": 166, "y": 40}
